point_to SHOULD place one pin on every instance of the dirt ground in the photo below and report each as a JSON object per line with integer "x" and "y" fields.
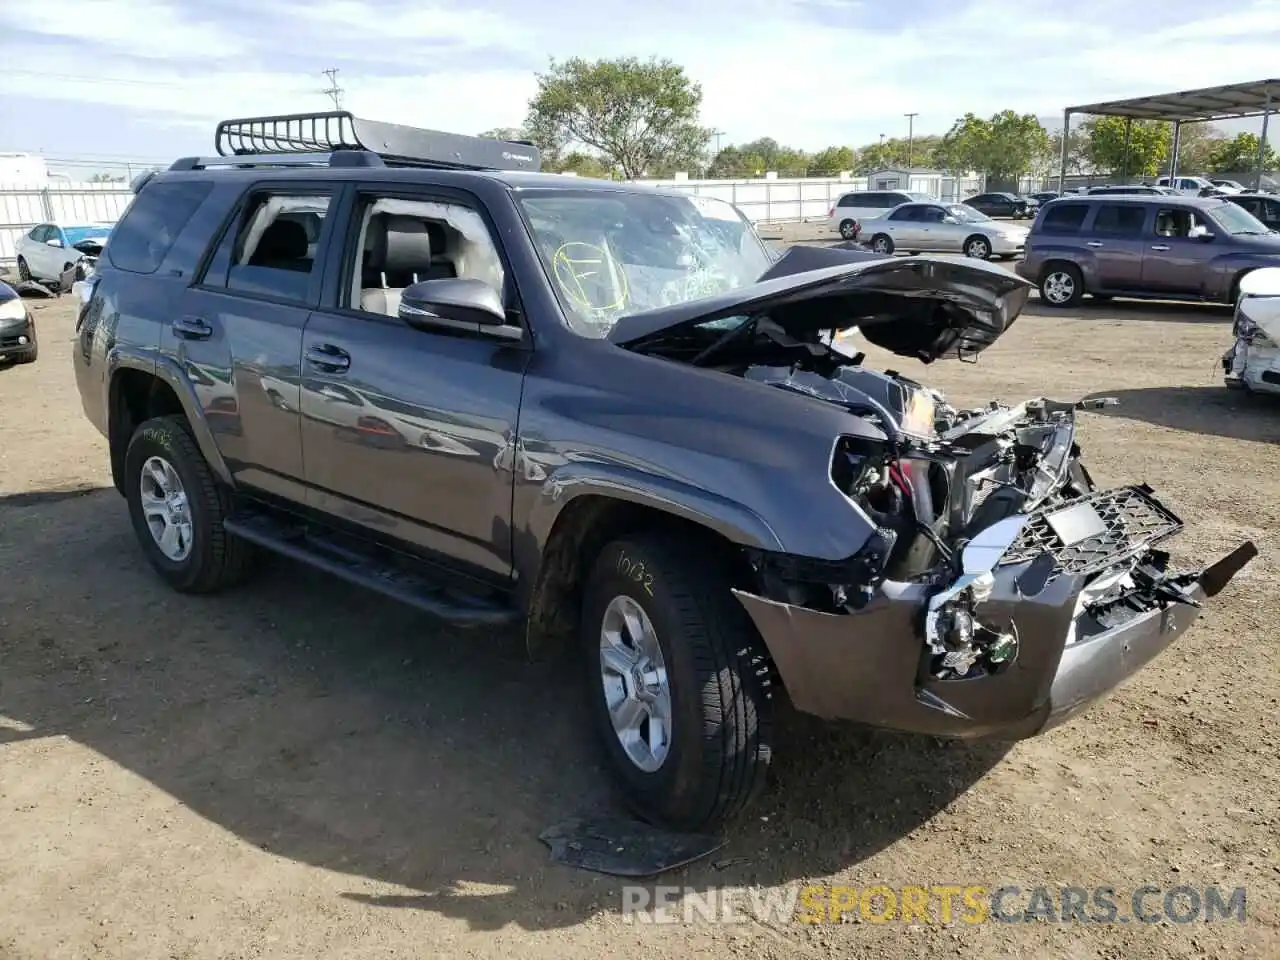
{"x": 298, "y": 770}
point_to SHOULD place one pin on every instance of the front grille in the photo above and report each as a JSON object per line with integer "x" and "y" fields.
{"x": 1133, "y": 520}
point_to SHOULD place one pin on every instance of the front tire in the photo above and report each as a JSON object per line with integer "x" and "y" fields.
{"x": 24, "y": 272}
{"x": 178, "y": 508}
{"x": 678, "y": 689}
{"x": 978, "y": 247}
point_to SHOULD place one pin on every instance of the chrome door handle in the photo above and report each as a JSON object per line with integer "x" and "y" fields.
{"x": 1093, "y": 243}
{"x": 328, "y": 357}
{"x": 1159, "y": 246}
{"x": 192, "y": 328}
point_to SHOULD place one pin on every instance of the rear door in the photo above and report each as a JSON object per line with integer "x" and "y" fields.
{"x": 1117, "y": 241}
{"x": 1173, "y": 261}
{"x": 907, "y": 226}
{"x": 240, "y": 334}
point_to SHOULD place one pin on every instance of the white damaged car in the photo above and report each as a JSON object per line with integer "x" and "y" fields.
{"x": 1253, "y": 362}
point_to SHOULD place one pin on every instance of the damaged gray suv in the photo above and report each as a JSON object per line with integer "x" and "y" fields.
{"x": 606, "y": 414}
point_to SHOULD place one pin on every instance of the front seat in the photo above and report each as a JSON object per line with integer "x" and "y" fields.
{"x": 283, "y": 246}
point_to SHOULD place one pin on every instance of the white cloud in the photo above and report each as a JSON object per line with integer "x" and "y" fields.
{"x": 766, "y": 66}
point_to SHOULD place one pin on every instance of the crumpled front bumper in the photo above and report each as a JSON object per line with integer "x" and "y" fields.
{"x": 870, "y": 666}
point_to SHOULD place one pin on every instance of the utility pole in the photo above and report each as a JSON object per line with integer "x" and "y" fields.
{"x": 717, "y": 134}
{"x": 333, "y": 92}
{"x": 911, "y": 123}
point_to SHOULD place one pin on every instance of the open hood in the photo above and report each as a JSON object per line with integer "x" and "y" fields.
{"x": 922, "y": 307}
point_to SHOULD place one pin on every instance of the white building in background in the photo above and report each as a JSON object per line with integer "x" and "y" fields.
{"x": 944, "y": 186}
{"x": 27, "y": 169}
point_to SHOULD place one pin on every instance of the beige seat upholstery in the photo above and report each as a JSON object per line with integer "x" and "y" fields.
{"x": 398, "y": 250}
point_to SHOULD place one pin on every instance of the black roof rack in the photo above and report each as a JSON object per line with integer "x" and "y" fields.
{"x": 337, "y": 138}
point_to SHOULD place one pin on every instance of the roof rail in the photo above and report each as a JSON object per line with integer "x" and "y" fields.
{"x": 339, "y": 158}
{"x": 336, "y": 137}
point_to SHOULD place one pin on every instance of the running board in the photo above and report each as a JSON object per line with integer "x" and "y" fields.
{"x": 399, "y": 582}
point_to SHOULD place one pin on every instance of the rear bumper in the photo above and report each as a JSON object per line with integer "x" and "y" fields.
{"x": 870, "y": 666}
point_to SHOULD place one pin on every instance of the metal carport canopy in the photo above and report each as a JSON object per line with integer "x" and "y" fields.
{"x": 1231, "y": 102}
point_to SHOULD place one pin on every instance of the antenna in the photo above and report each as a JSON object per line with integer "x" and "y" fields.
{"x": 333, "y": 92}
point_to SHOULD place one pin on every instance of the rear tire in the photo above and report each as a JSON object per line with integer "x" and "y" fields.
{"x": 848, "y": 229}
{"x": 204, "y": 558}
{"x": 882, "y": 243}
{"x": 1061, "y": 285}
{"x": 715, "y": 747}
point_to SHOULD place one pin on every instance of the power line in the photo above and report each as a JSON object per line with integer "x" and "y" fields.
{"x": 333, "y": 92}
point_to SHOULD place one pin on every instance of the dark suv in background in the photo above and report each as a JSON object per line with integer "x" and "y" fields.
{"x": 1166, "y": 248}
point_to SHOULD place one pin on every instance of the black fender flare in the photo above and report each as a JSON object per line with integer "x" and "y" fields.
{"x": 169, "y": 372}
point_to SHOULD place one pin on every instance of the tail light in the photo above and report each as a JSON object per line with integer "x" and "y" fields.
{"x": 831, "y": 212}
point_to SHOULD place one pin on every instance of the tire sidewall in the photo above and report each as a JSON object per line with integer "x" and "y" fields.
{"x": 160, "y": 438}
{"x": 848, "y": 233}
{"x": 972, "y": 241}
{"x": 24, "y": 271}
{"x": 888, "y": 243}
{"x": 1076, "y": 292}
{"x": 674, "y": 785}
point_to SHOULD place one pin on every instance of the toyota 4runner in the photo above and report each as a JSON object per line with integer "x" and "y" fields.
{"x": 604, "y": 412}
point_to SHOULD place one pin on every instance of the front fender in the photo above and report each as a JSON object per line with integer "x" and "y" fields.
{"x": 123, "y": 357}
{"x": 730, "y": 519}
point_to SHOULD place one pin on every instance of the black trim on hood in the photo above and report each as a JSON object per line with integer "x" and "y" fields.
{"x": 922, "y": 307}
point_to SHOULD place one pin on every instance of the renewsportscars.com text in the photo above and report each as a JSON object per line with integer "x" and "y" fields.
{"x": 936, "y": 903}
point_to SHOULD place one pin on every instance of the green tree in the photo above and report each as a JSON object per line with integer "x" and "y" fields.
{"x": 1240, "y": 155}
{"x": 1077, "y": 159}
{"x": 637, "y": 115}
{"x": 584, "y": 165}
{"x": 1149, "y": 145}
{"x": 1003, "y": 147}
{"x": 829, "y": 162}
{"x": 506, "y": 133}
{"x": 1196, "y": 145}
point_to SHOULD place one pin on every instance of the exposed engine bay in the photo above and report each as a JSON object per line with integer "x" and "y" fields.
{"x": 977, "y": 523}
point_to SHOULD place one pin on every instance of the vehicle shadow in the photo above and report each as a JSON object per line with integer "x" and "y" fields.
{"x": 1160, "y": 311}
{"x": 1213, "y": 411}
{"x": 324, "y": 725}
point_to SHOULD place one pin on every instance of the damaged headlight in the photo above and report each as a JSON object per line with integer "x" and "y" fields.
{"x": 957, "y": 638}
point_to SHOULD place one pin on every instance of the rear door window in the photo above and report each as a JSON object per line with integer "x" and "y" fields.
{"x": 142, "y": 239}
{"x": 909, "y": 212}
{"x": 1119, "y": 220}
{"x": 1064, "y": 218}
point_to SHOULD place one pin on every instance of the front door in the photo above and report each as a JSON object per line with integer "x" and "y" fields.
{"x": 1116, "y": 240}
{"x": 1173, "y": 258}
{"x": 407, "y": 431}
{"x": 239, "y": 332}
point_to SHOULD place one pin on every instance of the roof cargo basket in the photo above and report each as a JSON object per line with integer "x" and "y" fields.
{"x": 336, "y": 134}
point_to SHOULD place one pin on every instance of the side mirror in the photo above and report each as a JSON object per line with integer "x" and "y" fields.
{"x": 54, "y": 242}
{"x": 1263, "y": 282}
{"x": 1200, "y": 233}
{"x": 455, "y": 303}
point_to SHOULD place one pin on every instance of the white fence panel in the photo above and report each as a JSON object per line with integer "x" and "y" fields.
{"x": 22, "y": 206}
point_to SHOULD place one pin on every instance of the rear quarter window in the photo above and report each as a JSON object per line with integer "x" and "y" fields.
{"x": 142, "y": 239}
{"x": 1063, "y": 218}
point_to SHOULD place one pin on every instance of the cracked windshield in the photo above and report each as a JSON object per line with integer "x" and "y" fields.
{"x": 610, "y": 254}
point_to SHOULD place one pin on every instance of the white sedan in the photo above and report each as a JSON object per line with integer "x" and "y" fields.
{"x": 48, "y": 250}
{"x": 945, "y": 228}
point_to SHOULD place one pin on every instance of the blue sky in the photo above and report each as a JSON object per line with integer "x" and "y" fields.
{"x": 147, "y": 79}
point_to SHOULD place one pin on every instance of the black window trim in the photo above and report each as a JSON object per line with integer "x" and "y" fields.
{"x": 231, "y": 222}
{"x": 339, "y": 268}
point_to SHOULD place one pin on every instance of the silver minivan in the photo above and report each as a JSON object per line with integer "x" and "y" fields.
{"x": 852, "y": 208}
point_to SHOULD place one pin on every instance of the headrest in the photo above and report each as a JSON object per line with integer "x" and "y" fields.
{"x": 375, "y": 243}
{"x": 408, "y": 245}
{"x": 438, "y": 239}
{"x": 283, "y": 240}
